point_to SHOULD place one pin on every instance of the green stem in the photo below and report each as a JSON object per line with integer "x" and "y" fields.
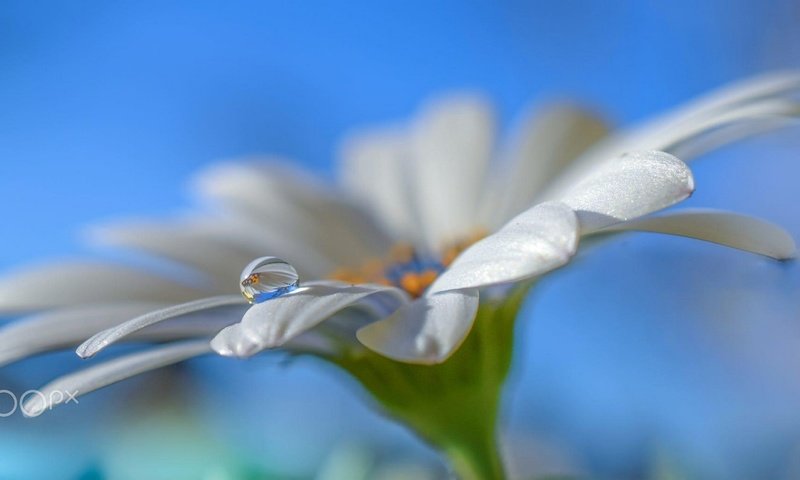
{"x": 454, "y": 405}
{"x": 471, "y": 466}
{"x": 461, "y": 425}
{"x": 478, "y": 459}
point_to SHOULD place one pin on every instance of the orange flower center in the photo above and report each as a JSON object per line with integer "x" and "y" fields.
{"x": 406, "y": 268}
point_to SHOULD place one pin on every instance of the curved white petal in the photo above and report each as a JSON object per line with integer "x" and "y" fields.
{"x": 69, "y": 327}
{"x": 59, "y": 284}
{"x": 93, "y": 378}
{"x": 451, "y": 144}
{"x": 750, "y": 103}
{"x": 231, "y": 341}
{"x": 62, "y": 328}
{"x": 105, "y": 338}
{"x": 297, "y": 207}
{"x": 543, "y": 145}
{"x": 725, "y": 228}
{"x": 727, "y": 134}
{"x": 205, "y": 323}
{"x": 769, "y": 85}
{"x": 273, "y": 323}
{"x": 536, "y": 241}
{"x": 426, "y": 331}
{"x": 749, "y": 118}
{"x": 743, "y": 109}
{"x": 633, "y": 185}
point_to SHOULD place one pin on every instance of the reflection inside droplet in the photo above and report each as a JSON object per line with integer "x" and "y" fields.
{"x": 267, "y": 277}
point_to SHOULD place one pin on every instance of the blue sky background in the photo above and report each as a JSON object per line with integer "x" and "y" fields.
{"x": 651, "y": 348}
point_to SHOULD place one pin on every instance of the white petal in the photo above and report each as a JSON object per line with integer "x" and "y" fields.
{"x": 231, "y": 341}
{"x": 752, "y": 103}
{"x": 689, "y": 136}
{"x": 220, "y": 247}
{"x": 727, "y": 134}
{"x": 273, "y": 323}
{"x": 62, "y": 328}
{"x": 542, "y": 146}
{"x": 748, "y": 118}
{"x": 85, "y": 381}
{"x": 633, "y": 185}
{"x": 105, "y": 338}
{"x": 180, "y": 241}
{"x": 58, "y": 284}
{"x": 68, "y": 327}
{"x": 426, "y": 331}
{"x": 451, "y": 145}
{"x": 205, "y": 323}
{"x": 725, "y": 228}
{"x": 743, "y": 109}
{"x": 374, "y": 166}
{"x": 770, "y": 85}
{"x": 298, "y": 208}
{"x": 536, "y": 241}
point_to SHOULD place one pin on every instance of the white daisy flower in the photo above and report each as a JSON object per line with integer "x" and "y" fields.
{"x": 428, "y": 229}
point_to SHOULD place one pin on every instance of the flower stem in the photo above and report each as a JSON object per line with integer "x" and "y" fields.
{"x": 454, "y": 405}
{"x": 475, "y": 456}
{"x": 485, "y": 464}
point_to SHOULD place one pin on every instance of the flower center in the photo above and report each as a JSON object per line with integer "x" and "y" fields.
{"x": 406, "y": 267}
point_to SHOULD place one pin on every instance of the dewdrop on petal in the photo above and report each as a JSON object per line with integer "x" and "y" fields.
{"x": 266, "y": 278}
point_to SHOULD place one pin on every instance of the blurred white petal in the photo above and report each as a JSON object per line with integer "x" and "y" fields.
{"x": 220, "y": 247}
{"x": 62, "y": 328}
{"x": 375, "y": 167}
{"x": 63, "y": 283}
{"x": 296, "y": 207}
{"x": 769, "y": 85}
{"x": 68, "y": 327}
{"x": 748, "y": 118}
{"x": 451, "y": 145}
{"x": 727, "y": 134}
{"x": 112, "y": 371}
{"x": 539, "y": 240}
{"x": 743, "y": 110}
{"x": 426, "y": 331}
{"x": 725, "y": 228}
{"x": 751, "y": 102}
{"x": 545, "y": 143}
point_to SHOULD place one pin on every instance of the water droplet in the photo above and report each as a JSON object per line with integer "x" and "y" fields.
{"x": 267, "y": 277}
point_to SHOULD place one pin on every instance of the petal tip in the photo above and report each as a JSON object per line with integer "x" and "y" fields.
{"x": 35, "y": 406}
{"x": 427, "y": 331}
{"x": 424, "y": 351}
{"x": 91, "y": 347}
{"x": 789, "y": 253}
{"x": 221, "y": 347}
{"x": 232, "y": 341}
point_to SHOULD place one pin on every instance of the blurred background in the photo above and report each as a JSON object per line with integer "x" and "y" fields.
{"x": 652, "y": 358}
